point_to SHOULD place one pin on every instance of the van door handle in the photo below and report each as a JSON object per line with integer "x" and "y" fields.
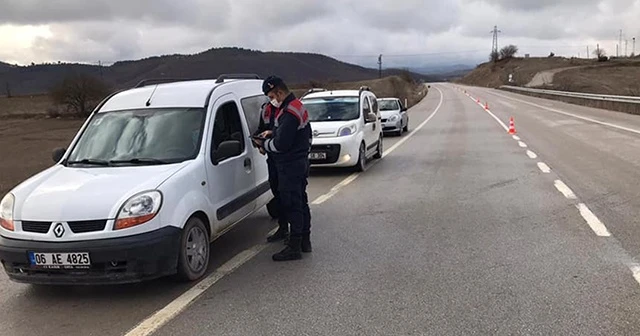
{"x": 247, "y": 163}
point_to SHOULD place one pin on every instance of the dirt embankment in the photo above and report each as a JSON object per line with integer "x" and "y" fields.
{"x": 523, "y": 70}
{"x": 615, "y": 78}
{"x": 393, "y": 86}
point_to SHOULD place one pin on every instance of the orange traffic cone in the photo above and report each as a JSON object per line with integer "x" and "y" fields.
{"x": 486, "y": 105}
{"x": 512, "y": 126}
{"x": 478, "y": 101}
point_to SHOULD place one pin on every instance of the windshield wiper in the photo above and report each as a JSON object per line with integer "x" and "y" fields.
{"x": 90, "y": 162}
{"x": 140, "y": 161}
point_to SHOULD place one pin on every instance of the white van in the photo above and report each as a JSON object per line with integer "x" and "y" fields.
{"x": 150, "y": 180}
{"x": 347, "y": 128}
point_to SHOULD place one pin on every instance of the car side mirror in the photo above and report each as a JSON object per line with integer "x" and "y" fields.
{"x": 371, "y": 117}
{"x": 227, "y": 149}
{"x": 57, "y": 155}
{"x": 404, "y": 109}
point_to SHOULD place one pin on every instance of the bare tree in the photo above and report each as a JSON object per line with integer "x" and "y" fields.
{"x": 8, "y": 89}
{"x": 508, "y": 51}
{"x": 80, "y": 93}
{"x": 494, "y": 56}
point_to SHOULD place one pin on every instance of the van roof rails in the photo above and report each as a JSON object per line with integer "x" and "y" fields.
{"x": 151, "y": 81}
{"x": 223, "y": 77}
{"x": 310, "y": 91}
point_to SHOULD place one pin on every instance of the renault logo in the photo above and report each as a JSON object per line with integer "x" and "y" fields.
{"x": 58, "y": 230}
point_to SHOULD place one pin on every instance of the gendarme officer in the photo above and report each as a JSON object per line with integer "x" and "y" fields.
{"x": 267, "y": 119}
{"x": 289, "y": 143}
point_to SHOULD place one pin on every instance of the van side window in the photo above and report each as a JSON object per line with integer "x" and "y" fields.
{"x": 227, "y": 126}
{"x": 366, "y": 107}
{"x": 251, "y": 108}
{"x": 375, "y": 105}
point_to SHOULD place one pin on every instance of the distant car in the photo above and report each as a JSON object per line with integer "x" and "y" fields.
{"x": 394, "y": 116}
{"x": 153, "y": 176}
{"x": 347, "y": 129}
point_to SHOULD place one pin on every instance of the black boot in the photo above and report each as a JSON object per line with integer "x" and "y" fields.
{"x": 306, "y": 243}
{"x": 291, "y": 252}
{"x": 281, "y": 234}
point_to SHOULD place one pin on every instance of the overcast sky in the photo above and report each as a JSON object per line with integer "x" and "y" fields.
{"x": 406, "y": 32}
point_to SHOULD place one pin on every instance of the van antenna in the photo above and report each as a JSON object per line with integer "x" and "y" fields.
{"x": 148, "y": 103}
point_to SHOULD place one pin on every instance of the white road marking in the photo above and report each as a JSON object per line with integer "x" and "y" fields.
{"x": 515, "y": 137}
{"x": 323, "y": 198}
{"x": 522, "y": 144}
{"x": 493, "y": 115}
{"x": 564, "y": 189}
{"x": 544, "y": 168}
{"x": 570, "y": 114}
{"x": 634, "y": 267}
{"x": 593, "y": 221}
{"x": 531, "y": 154}
{"x": 164, "y": 315}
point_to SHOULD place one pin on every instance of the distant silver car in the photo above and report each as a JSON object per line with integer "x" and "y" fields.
{"x": 394, "y": 116}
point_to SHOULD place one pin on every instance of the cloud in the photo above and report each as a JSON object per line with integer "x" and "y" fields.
{"x": 355, "y": 30}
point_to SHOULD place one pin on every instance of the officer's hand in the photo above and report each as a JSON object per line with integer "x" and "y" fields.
{"x": 262, "y": 151}
{"x": 266, "y": 134}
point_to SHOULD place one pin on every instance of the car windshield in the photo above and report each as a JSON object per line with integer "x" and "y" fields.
{"x": 146, "y": 136}
{"x": 388, "y": 105}
{"x": 332, "y": 108}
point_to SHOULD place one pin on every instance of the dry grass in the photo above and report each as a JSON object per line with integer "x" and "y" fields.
{"x": 24, "y": 106}
{"x": 27, "y": 146}
{"x": 393, "y": 86}
{"x": 523, "y": 70}
{"x": 615, "y": 78}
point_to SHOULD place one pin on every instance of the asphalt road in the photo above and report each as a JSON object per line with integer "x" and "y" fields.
{"x": 459, "y": 230}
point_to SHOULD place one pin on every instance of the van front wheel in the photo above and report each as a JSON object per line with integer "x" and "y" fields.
{"x": 194, "y": 251}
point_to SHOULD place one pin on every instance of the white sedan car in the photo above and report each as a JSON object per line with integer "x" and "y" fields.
{"x": 394, "y": 116}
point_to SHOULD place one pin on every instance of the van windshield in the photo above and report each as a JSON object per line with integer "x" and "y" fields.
{"x": 332, "y": 108}
{"x": 140, "y": 137}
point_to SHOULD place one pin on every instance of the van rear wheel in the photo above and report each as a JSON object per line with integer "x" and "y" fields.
{"x": 193, "y": 260}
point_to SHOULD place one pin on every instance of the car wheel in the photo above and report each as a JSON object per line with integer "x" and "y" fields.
{"x": 379, "y": 151}
{"x": 194, "y": 250}
{"x": 406, "y": 127}
{"x": 362, "y": 159}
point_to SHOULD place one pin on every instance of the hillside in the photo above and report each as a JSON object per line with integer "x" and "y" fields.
{"x": 616, "y": 76}
{"x": 523, "y": 70}
{"x": 293, "y": 67}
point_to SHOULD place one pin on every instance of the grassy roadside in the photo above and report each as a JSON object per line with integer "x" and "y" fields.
{"x": 393, "y": 86}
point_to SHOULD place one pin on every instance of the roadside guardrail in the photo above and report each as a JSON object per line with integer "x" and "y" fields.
{"x": 580, "y": 95}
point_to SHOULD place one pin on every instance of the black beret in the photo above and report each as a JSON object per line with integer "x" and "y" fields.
{"x": 270, "y": 82}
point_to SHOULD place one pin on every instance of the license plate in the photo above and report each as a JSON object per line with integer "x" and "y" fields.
{"x": 317, "y": 156}
{"x": 60, "y": 260}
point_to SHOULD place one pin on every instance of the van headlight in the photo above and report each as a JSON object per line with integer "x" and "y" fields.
{"x": 6, "y": 212}
{"x": 394, "y": 117}
{"x": 138, "y": 209}
{"x": 347, "y": 130}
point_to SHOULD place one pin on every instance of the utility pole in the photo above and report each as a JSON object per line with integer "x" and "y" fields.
{"x": 634, "y": 46}
{"x": 625, "y": 47}
{"x": 494, "y": 47}
{"x": 380, "y": 66}
{"x": 619, "y": 44}
{"x": 588, "y": 53}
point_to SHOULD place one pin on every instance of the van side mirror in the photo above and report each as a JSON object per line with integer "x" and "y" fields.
{"x": 371, "y": 117}
{"x": 403, "y": 109}
{"x": 227, "y": 149}
{"x": 57, "y": 155}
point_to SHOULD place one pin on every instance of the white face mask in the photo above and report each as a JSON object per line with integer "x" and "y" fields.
{"x": 275, "y": 103}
